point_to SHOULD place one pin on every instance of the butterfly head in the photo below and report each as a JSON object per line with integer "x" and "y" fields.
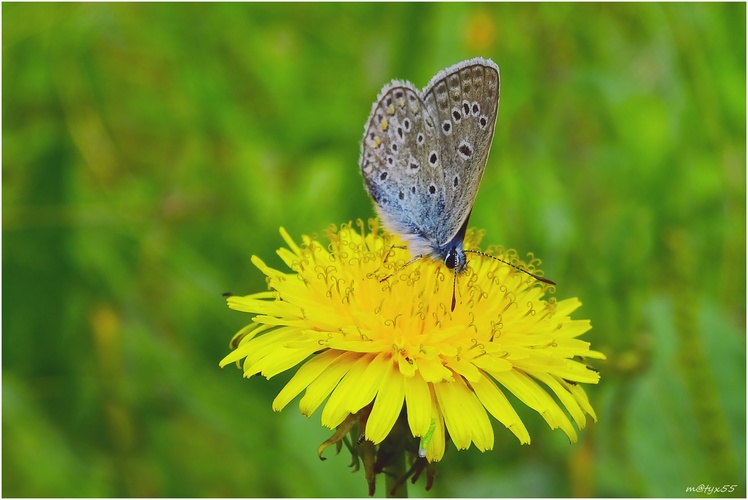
{"x": 455, "y": 258}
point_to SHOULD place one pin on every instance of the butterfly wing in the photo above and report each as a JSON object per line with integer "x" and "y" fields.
{"x": 463, "y": 102}
{"x": 402, "y": 168}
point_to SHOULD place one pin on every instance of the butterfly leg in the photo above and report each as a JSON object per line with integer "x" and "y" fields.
{"x": 403, "y": 267}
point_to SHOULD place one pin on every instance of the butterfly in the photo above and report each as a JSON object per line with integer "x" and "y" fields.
{"x": 423, "y": 156}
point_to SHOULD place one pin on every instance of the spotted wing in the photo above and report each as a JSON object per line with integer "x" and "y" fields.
{"x": 402, "y": 167}
{"x": 463, "y": 101}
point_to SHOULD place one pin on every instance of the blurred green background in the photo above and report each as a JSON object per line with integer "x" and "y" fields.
{"x": 150, "y": 149}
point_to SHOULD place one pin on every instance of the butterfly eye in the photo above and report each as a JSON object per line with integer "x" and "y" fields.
{"x": 451, "y": 259}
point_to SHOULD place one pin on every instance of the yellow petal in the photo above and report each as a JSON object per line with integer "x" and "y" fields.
{"x": 387, "y": 406}
{"x": 418, "y": 402}
{"x": 308, "y": 372}
{"x": 464, "y": 415}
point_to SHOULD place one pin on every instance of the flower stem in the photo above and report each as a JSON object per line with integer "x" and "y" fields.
{"x": 396, "y": 485}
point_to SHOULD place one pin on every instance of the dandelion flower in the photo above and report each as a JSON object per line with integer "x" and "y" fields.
{"x": 376, "y": 342}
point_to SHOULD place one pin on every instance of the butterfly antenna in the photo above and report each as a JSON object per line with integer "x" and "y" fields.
{"x": 539, "y": 278}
